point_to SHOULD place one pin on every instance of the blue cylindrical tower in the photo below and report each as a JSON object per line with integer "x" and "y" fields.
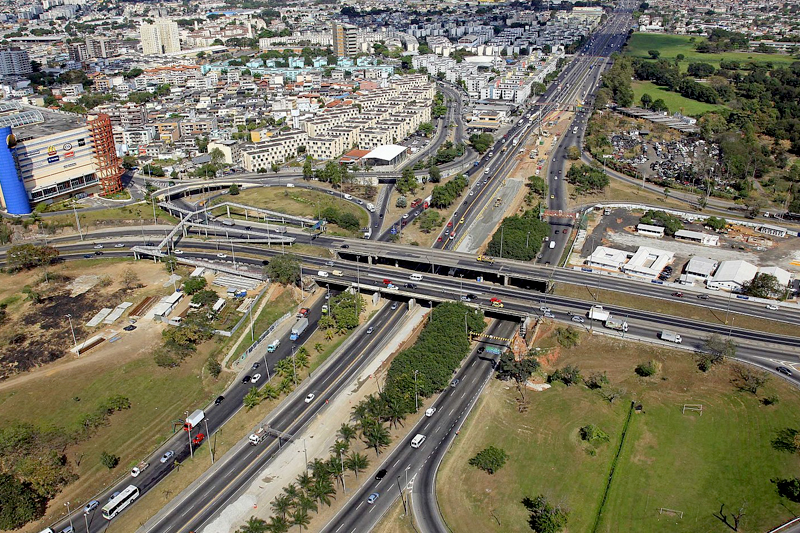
{"x": 14, "y": 195}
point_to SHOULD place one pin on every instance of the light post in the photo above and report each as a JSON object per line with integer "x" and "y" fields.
{"x": 188, "y": 428}
{"x": 305, "y": 453}
{"x": 74, "y": 340}
{"x": 402, "y": 496}
{"x": 210, "y": 448}
{"x": 294, "y": 365}
{"x": 730, "y": 329}
{"x": 69, "y": 515}
{"x": 344, "y": 487}
{"x": 416, "y": 401}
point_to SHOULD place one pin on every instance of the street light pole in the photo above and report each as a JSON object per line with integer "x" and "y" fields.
{"x": 416, "y": 401}
{"x": 210, "y": 448}
{"x": 188, "y": 428}
{"x": 77, "y": 221}
{"x": 69, "y": 514}
{"x": 294, "y": 366}
{"x": 74, "y": 340}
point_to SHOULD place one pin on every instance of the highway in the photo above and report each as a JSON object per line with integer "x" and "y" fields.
{"x": 406, "y": 466}
{"x": 216, "y": 415}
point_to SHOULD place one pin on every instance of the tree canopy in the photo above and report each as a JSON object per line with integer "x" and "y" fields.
{"x": 519, "y": 237}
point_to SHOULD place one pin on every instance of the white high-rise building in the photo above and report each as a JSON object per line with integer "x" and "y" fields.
{"x": 14, "y": 62}
{"x": 160, "y": 38}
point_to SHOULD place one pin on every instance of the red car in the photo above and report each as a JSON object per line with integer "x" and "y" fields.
{"x": 386, "y": 282}
{"x": 200, "y": 437}
{"x": 678, "y": 294}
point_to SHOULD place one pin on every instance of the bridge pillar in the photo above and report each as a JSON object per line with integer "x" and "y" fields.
{"x": 396, "y": 263}
{"x": 228, "y": 209}
{"x": 369, "y": 259}
{"x": 245, "y": 215}
{"x": 505, "y": 279}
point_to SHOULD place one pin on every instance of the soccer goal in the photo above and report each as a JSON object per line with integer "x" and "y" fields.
{"x": 698, "y": 407}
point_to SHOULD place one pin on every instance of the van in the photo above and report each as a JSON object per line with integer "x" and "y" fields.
{"x": 415, "y": 277}
{"x": 348, "y": 197}
{"x": 290, "y": 185}
{"x": 552, "y": 244}
{"x": 371, "y": 208}
{"x": 417, "y": 441}
{"x": 337, "y": 273}
{"x": 322, "y": 274}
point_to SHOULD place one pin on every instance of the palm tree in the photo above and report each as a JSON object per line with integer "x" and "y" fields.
{"x": 301, "y": 360}
{"x": 360, "y": 412}
{"x": 393, "y": 410}
{"x": 269, "y": 392}
{"x": 281, "y": 504}
{"x": 336, "y": 469}
{"x": 322, "y": 490}
{"x": 286, "y": 385}
{"x": 330, "y": 333}
{"x": 375, "y": 435}
{"x": 304, "y": 481}
{"x": 319, "y": 469}
{"x": 307, "y": 503}
{"x": 278, "y": 525}
{"x": 301, "y": 519}
{"x": 254, "y": 525}
{"x": 319, "y": 347}
{"x": 284, "y": 367}
{"x": 252, "y": 398}
{"x": 356, "y": 462}
{"x": 347, "y": 432}
{"x": 291, "y": 491}
{"x": 302, "y": 351}
{"x": 340, "y": 446}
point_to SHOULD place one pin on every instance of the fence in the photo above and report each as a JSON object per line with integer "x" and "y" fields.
{"x": 264, "y": 335}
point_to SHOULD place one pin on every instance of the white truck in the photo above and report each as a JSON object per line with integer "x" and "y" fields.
{"x": 194, "y": 419}
{"x": 298, "y": 328}
{"x": 670, "y": 336}
{"x": 616, "y": 323}
{"x": 273, "y": 345}
{"x": 371, "y": 208}
{"x": 597, "y": 312}
{"x": 259, "y": 435}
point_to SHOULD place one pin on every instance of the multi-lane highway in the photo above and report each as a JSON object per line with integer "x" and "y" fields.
{"x": 409, "y": 469}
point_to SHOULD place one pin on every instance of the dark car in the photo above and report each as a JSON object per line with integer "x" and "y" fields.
{"x": 381, "y": 474}
{"x": 256, "y": 365}
{"x": 247, "y": 379}
{"x": 481, "y": 349}
{"x": 87, "y": 256}
{"x": 98, "y": 252}
{"x": 129, "y": 328}
{"x": 784, "y": 370}
{"x": 219, "y": 400}
{"x": 702, "y": 296}
{"x": 411, "y": 285}
{"x": 345, "y": 246}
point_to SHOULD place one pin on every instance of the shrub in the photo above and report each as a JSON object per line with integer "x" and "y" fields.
{"x": 569, "y": 375}
{"x": 568, "y": 337}
{"x": 650, "y": 368}
{"x": 108, "y": 460}
{"x": 490, "y": 459}
{"x": 593, "y": 435}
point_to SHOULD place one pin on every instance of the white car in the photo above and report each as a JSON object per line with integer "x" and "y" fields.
{"x": 405, "y": 216}
{"x": 430, "y": 411}
{"x": 119, "y": 245}
{"x": 255, "y": 378}
{"x": 177, "y": 252}
{"x": 772, "y": 307}
{"x": 221, "y": 255}
{"x": 98, "y": 246}
{"x": 578, "y": 319}
{"x": 167, "y": 456}
{"x": 309, "y": 398}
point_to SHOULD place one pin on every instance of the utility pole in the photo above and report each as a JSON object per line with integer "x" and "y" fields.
{"x": 416, "y": 401}
{"x": 78, "y": 222}
{"x": 74, "y": 340}
{"x": 189, "y": 433}
{"x": 210, "y": 448}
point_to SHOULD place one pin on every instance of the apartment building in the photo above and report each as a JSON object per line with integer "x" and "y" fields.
{"x": 278, "y": 149}
{"x": 345, "y": 39}
{"x": 14, "y": 62}
{"x": 160, "y": 38}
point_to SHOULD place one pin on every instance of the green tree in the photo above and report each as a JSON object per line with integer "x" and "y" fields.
{"x": 764, "y": 286}
{"x": 569, "y": 375}
{"x": 170, "y": 263}
{"x": 434, "y": 174}
{"x": 308, "y": 170}
{"x": 593, "y": 435}
{"x": 19, "y": 503}
{"x": 213, "y": 367}
{"x": 322, "y": 490}
{"x": 716, "y": 223}
{"x": 519, "y": 237}
{"x": 374, "y": 434}
{"x": 426, "y": 128}
{"x": 284, "y": 269}
{"x": 573, "y": 153}
{"x": 401, "y": 202}
{"x": 254, "y": 525}
{"x": 217, "y": 156}
{"x": 301, "y": 519}
{"x": 543, "y": 516}
{"x": 788, "y": 488}
{"x": 252, "y": 398}
{"x": 654, "y": 54}
{"x": 568, "y": 337}
{"x": 407, "y": 182}
{"x": 587, "y": 179}
{"x": 205, "y": 297}
{"x": 27, "y": 256}
{"x": 108, "y": 460}
{"x": 490, "y": 459}
{"x": 279, "y": 524}
{"x": 508, "y": 367}
{"x": 233, "y": 190}
{"x": 429, "y": 220}
{"x": 194, "y": 285}
{"x": 670, "y": 223}
{"x": 716, "y": 349}
{"x": 481, "y": 142}
{"x": 344, "y": 308}
{"x": 356, "y": 462}
{"x": 645, "y": 370}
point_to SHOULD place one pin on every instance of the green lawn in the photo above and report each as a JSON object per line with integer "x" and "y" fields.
{"x": 684, "y": 462}
{"x": 130, "y": 213}
{"x": 672, "y": 45}
{"x": 675, "y": 102}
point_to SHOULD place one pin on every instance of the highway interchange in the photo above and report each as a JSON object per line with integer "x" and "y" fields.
{"x": 238, "y": 467}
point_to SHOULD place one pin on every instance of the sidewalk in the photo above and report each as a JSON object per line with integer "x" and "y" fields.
{"x": 317, "y": 438}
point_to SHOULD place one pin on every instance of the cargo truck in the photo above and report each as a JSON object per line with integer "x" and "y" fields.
{"x": 670, "y": 336}
{"x": 259, "y": 435}
{"x": 598, "y": 313}
{"x": 194, "y": 419}
{"x": 298, "y": 328}
{"x": 617, "y": 324}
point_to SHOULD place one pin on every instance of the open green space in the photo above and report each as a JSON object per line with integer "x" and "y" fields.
{"x": 684, "y": 462}
{"x": 671, "y": 45}
{"x": 292, "y": 201}
{"x": 129, "y": 213}
{"x": 275, "y": 309}
{"x": 675, "y": 102}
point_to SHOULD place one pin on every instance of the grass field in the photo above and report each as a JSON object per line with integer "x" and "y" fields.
{"x": 672, "y": 45}
{"x": 689, "y": 463}
{"x": 298, "y": 202}
{"x": 129, "y": 213}
{"x": 675, "y": 102}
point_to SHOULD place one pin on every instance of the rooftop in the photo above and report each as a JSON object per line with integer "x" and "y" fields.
{"x": 387, "y": 152}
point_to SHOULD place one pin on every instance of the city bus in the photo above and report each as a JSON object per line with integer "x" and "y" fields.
{"x": 120, "y": 502}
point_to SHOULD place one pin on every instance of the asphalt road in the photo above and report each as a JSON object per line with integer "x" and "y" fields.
{"x": 408, "y": 468}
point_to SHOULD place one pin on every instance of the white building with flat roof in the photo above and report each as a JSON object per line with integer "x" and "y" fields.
{"x": 608, "y": 258}
{"x": 699, "y": 237}
{"x": 732, "y": 275}
{"x": 647, "y": 262}
{"x": 698, "y": 269}
{"x": 649, "y": 230}
{"x": 784, "y": 277}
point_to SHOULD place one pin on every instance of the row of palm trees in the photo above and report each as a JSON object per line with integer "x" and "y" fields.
{"x": 287, "y": 369}
{"x": 311, "y": 490}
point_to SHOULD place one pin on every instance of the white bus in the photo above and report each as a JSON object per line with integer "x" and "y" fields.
{"x": 124, "y": 499}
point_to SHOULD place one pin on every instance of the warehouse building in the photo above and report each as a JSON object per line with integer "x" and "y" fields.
{"x": 38, "y": 168}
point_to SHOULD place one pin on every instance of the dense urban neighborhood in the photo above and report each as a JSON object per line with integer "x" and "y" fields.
{"x": 352, "y": 266}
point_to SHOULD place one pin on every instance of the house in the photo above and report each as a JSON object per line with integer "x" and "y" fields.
{"x": 698, "y": 237}
{"x": 647, "y": 262}
{"x": 608, "y": 258}
{"x": 650, "y": 231}
{"x": 698, "y": 269}
{"x": 784, "y": 278}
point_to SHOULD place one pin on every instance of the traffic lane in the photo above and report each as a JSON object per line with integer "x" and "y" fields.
{"x": 407, "y": 460}
{"x": 424, "y": 502}
{"x": 249, "y": 460}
